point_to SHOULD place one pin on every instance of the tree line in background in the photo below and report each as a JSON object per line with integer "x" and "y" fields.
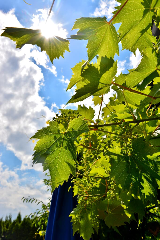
{"x": 18, "y": 229}
{"x": 34, "y": 226}
{"x": 30, "y": 227}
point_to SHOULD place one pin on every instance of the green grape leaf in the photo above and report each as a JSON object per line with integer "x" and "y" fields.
{"x": 133, "y": 98}
{"x": 136, "y": 18}
{"x": 76, "y": 77}
{"x": 101, "y": 167}
{"x": 95, "y": 79}
{"x": 102, "y": 36}
{"x": 97, "y": 100}
{"x": 46, "y": 131}
{"x": 60, "y": 164}
{"x": 136, "y": 206}
{"x": 146, "y": 168}
{"x": 56, "y": 151}
{"x": 147, "y": 66}
{"x": 147, "y": 188}
{"x": 147, "y": 80}
{"x": 104, "y": 64}
{"x": 108, "y": 76}
{"x": 119, "y": 172}
{"x": 155, "y": 141}
{"x": 98, "y": 171}
{"x": 87, "y": 113}
{"x": 82, "y": 223}
{"x": 115, "y": 213}
{"x": 77, "y": 126}
{"x": 122, "y": 111}
{"x": 86, "y": 229}
{"x": 106, "y": 111}
{"x": 91, "y": 74}
{"x": 54, "y": 47}
{"x": 115, "y": 219}
{"x": 141, "y": 157}
{"x": 138, "y": 144}
{"x": 145, "y": 41}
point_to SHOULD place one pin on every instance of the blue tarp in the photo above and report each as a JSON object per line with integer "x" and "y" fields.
{"x": 59, "y": 226}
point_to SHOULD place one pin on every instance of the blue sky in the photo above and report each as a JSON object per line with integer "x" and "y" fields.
{"x": 32, "y": 90}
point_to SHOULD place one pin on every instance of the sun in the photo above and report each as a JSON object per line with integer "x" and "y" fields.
{"x": 50, "y": 29}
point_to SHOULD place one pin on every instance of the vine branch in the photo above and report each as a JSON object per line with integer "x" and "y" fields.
{"x": 50, "y": 10}
{"x": 118, "y": 123}
{"x": 100, "y": 107}
{"x": 132, "y": 90}
{"x": 118, "y": 12}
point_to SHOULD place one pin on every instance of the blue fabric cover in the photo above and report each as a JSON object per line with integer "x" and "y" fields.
{"x": 59, "y": 226}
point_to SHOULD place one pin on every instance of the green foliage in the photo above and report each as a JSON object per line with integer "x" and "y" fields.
{"x": 136, "y": 19}
{"x": 95, "y": 79}
{"x": 56, "y": 150}
{"x": 40, "y": 217}
{"x": 117, "y": 177}
{"x": 97, "y": 31}
{"x": 20, "y": 229}
{"x": 54, "y": 47}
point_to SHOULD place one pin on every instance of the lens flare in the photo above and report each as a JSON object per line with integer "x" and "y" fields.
{"x": 50, "y": 29}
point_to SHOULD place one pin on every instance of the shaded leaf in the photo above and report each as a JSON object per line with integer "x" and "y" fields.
{"x": 77, "y": 126}
{"x": 86, "y": 229}
{"x": 54, "y": 47}
{"x": 115, "y": 213}
{"x": 76, "y": 77}
{"x": 87, "y": 113}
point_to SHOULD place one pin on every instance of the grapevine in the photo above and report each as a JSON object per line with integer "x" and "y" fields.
{"x": 112, "y": 161}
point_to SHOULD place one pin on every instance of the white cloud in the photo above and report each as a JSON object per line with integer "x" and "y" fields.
{"x": 42, "y": 59}
{"x": 63, "y": 80}
{"x": 70, "y": 91}
{"x": 49, "y": 28}
{"x": 135, "y": 59}
{"x": 8, "y": 19}
{"x": 105, "y": 8}
{"x": 121, "y": 67}
{"x": 54, "y": 106}
{"x": 38, "y": 22}
{"x": 13, "y": 188}
{"x": 21, "y": 107}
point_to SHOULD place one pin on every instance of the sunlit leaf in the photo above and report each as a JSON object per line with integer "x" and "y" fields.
{"x": 102, "y": 36}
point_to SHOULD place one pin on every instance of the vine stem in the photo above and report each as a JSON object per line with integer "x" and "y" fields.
{"x": 118, "y": 12}
{"x": 134, "y": 118}
{"x": 26, "y": 2}
{"x": 50, "y": 10}
{"x": 100, "y": 107}
{"x": 118, "y": 123}
{"x": 132, "y": 90}
{"x": 148, "y": 109}
{"x": 90, "y": 148}
{"x": 92, "y": 165}
{"x": 156, "y": 129}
